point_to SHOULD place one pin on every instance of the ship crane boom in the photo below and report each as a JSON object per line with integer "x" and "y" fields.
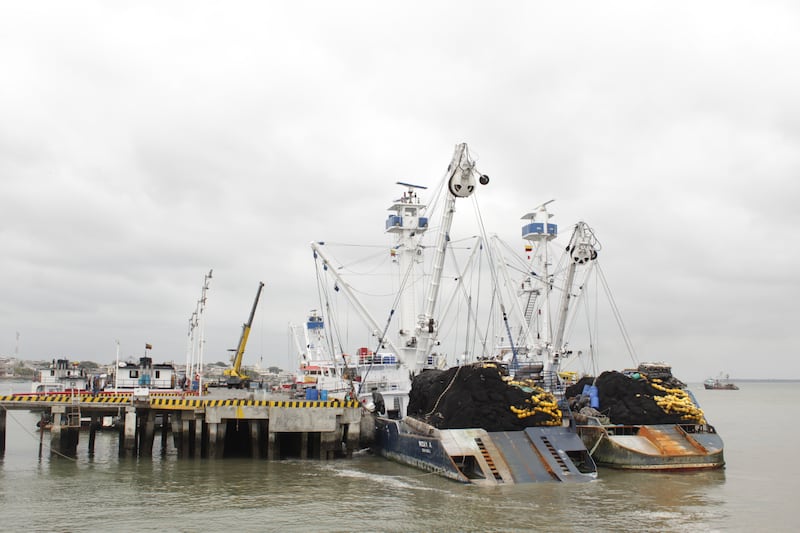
{"x": 236, "y": 378}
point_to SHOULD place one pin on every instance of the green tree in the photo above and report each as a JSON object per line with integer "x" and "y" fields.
{"x": 23, "y": 371}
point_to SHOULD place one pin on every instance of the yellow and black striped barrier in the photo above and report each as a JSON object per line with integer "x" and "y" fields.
{"x": 65, "y": 398}
{"x": 180, "y": 403}
{"x": 308, "y": 403}
{"x": 176, "y": 403}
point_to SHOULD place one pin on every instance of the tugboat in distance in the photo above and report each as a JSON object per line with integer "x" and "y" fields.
{"x": 720, "y": 383}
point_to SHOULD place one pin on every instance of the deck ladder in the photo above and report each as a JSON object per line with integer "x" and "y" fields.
{"x": 488, "y": 458}
{"x": 554, "y": 453}
{"x": 74, "y": 412}
{"x": 529, "y": 307}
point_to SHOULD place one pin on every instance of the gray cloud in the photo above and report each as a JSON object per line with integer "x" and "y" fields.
{"x": 142, "y": 145}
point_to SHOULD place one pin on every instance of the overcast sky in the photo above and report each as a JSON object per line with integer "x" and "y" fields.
{"x": 142, "y": 144}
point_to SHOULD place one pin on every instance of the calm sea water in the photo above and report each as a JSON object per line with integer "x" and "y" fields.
{"x": 756, "y": 491}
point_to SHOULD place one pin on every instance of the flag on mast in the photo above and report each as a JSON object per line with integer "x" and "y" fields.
{"x": 148, "y": 346}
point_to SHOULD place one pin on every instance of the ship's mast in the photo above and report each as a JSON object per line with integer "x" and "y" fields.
{"x": 418, "y": 332}
{"x": 407, "y": 222}
{"x": 582, "y": 249}
{"x": 536, "y": 286}
{"x": 408, "y": 225}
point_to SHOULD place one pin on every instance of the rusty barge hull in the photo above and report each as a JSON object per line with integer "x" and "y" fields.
{"x": 654, "y": 447}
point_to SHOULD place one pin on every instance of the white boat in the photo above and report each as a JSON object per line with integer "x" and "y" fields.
{"x": 320, "y": 375}
{"x": 409, "y": 349}
{"x": 61, "y": 377}
{"x": 144, "y": 374}
{"x": 720, "y": 383}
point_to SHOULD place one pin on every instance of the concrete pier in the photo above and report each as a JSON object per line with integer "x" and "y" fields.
{"x": 200, "y": 428}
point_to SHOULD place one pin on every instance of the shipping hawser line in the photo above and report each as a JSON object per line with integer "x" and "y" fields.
{"x": 505, "y": 408}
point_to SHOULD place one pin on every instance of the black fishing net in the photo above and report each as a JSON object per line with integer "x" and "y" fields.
{"x": 479, "y": 396}
{"x": 637, "y": 399}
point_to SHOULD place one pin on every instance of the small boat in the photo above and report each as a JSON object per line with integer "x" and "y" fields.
{"x": 720, "y": 383}
{"x": 319, "y": 374}
{"x": 62, "y": 376}
{"x": 143, "y": 378}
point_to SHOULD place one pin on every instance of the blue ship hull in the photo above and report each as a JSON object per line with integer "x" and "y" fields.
{"x": 530, "y": 455}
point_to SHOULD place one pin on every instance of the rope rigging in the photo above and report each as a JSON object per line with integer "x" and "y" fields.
{"x": 388, "y": 322}
{"x": 618, "y": 317}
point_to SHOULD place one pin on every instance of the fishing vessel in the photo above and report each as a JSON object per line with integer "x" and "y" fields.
{"x": 319, "y": 374}
{"x": 642, "y": 418}
{"x": 405, "y": 373}
{"x": 720, "y": 383}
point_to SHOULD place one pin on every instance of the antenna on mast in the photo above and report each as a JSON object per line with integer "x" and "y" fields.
{"x": 538, "y": 209}
{"x": 411, "y": 185}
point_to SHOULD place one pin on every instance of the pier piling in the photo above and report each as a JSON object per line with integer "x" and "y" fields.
{"x": 2, "y": 432}
{"x": 146, "y": 431}
{"x": 127, "y": 436}
{"x": 166, "y": 424}
{"x": 64, "y": 433}
{"x": 93, "y": 425}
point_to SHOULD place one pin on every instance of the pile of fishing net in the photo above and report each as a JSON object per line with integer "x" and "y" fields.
{"x": 637, "y": 399}
{"x": 480, "y": 396}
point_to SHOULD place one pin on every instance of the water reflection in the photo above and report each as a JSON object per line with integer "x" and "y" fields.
{"x": 164, "y": 493}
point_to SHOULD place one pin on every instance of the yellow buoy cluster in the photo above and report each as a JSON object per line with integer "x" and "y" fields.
{"x": 540, "y": 402}
{"x": 677, "y": 401}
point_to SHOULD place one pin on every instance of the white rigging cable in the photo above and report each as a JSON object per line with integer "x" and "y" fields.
{"x": 618, "y": 317}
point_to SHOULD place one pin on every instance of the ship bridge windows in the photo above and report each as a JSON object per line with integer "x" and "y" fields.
{"x": 538, "y": 228}
{"x": 394, "y": 221}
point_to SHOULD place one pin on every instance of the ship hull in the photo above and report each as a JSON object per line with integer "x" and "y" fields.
{"x": 656, "y": 447}
{"x": 531, "y": 455}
